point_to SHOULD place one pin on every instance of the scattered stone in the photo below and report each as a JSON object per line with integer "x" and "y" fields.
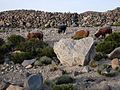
{"x": 28, "y": 62}
{"x": 115, "y": 63}
{"x": 28, "y": 66}
{"x": 85, "y": 69}
{"x": 14, "y": 87}
{"x": 34, "y": 82}
{"x": 115, "y": 53}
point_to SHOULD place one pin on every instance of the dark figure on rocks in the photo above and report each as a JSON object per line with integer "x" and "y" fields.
{"x": 62, "y": 28}
{"x": 38, "y": 35}
{"x": 103, "y": 32}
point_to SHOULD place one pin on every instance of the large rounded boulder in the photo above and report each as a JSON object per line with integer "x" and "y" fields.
{"x": 75, "y": 52}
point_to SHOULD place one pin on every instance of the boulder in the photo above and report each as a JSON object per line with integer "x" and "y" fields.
{"x": 115, "y": 53}
{"x": 75, "y": 52}
{"x": 28, "y": 62}
{"x": 115, "y": 63}
{"x": 13, "y": 87}
{"x": 34, "y": 82}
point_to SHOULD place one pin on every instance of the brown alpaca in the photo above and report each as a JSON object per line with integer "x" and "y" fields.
{"x": 38, "y": 35}
{"x": 81, "y": 34}
{"x": 103, "y": 32}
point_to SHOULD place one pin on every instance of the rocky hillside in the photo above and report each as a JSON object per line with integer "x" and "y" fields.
{"x": 41, "y": 19}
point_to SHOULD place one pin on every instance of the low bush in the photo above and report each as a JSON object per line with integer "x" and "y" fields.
{"x": 109, "y": 44}
{"x": 93, "y": 64}
{"x": 113, "y": 37}
{"x": 2, "y": 31}
{"x": 116, "y": 24}
{"x": 15, "y": 39}
{"x": 46, "y": 51}
{"x": 64, "y": 87}
{"x": 1, "y": 41}
{"x": 20, "y": 57}
{"x": 65, "y": 79}
{"x": 4, "y": 49}
{"x": 43, "y": 61}
{"x": 99, "y": 56}
{"x": 31, "y": 45}
{"x": 106, "y": 46}
{"x": 106, "y": 70}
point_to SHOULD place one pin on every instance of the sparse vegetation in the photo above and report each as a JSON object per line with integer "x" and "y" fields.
{"x": 1, "y": 41}
{"x": 43, "y": 61}
{"x": 1, "y": 30}
{"x": 106, "y": 70}
{"x": 46, "y": 51}
{"x": 65, "y": 79}
{"x": 15, "y": 39}
{"x": 20, "y": 57}
{"x": 64, "y": 87}
{"x": 109, "y": 44}
{"x": 116, "y": 24}
{"x": 99, "y": 56}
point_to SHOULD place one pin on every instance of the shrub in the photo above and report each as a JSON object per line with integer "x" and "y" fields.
{"x": 109, "y": 44}
{"x": 1, "y": 30}
{"x": 93, "y": 64}
{"x": 46, "y": 51}
{"x": 99, "y": 56}
{"x": 64, "y": 87}
{"x": 106, "y": 70}
{"x": 31, "y": 45}
{"x": 113, "y": 37}
{"x": 15, "y": 39}
{"x": 5, "y": 48}
{"x": 20, "y": 57}
{"x": 43, "y": 61}
{"x": 1, "y": 41}
{"x": 65, "y": 79}
{"x": 106, "y": 47}
{"x": 116, "y": 24}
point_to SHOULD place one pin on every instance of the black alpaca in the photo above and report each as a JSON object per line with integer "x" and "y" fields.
{"x": 62, "y": 28}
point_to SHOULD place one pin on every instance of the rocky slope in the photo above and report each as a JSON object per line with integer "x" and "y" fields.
{"x": 41, "y": 19}
{"x": 16, "y": 74}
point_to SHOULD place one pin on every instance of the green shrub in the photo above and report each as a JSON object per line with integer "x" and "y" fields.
{"x": 106, "y": 70}
{"x": 1, "y": 41}
{"x": 113, "y": 37}
{"x": 64, "y": 87}
{"x": 99, "y": 56}
{"x": 65, "y": 79}
{"x": 109, "y": 44}
{"x": 15, "y": 39}
{"x": 31, "y": 45}
{"x": 5, "y": 48}
{"x": 106, "y": 46}
{"x": 43, "y": 61}
{"x": 20, "y": 57}
{"x": 116, "y": 24}
{"x": 1, "y": 30}
{"x": 46, "y": 51}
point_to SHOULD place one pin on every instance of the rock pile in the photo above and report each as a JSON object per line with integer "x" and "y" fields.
{"x": 40, "y": 19}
